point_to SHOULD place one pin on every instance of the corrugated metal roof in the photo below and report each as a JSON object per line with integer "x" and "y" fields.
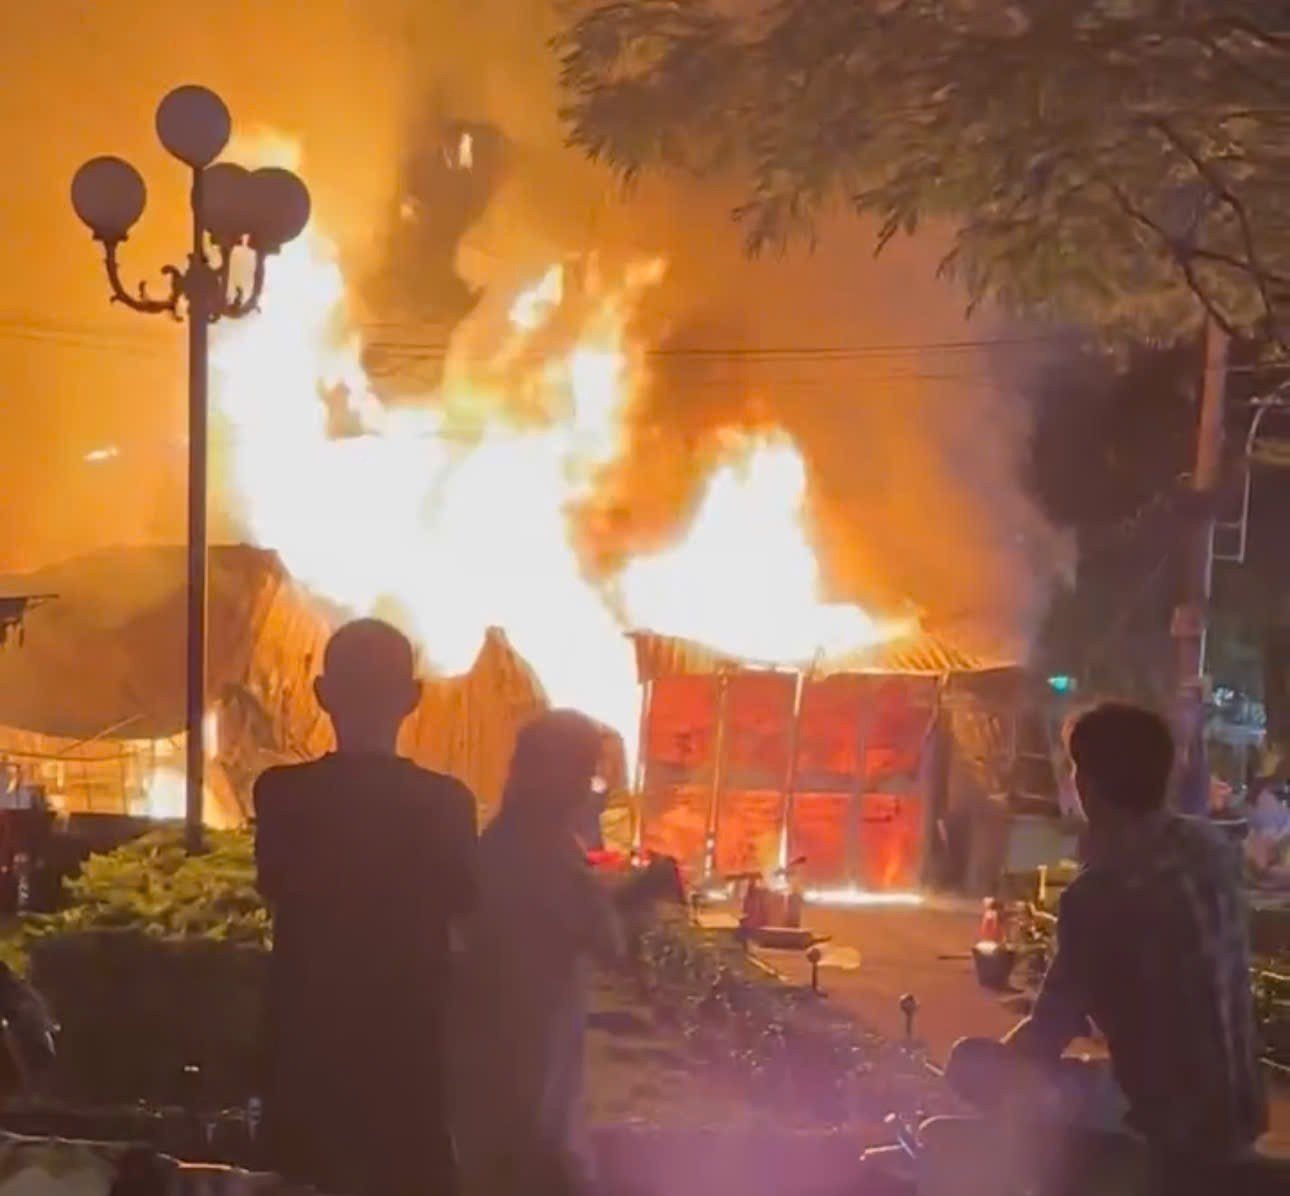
{"x": 921, "y": 654}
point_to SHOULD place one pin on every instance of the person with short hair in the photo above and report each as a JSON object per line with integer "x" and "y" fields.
{"x": 364, "y": 860}
{"x": 1152, "y": 949}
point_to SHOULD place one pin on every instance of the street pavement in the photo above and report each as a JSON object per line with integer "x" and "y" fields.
{"x": 877, "y": 954}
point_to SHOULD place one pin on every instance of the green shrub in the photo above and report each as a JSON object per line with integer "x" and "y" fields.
{"x": 153, "y": 887}
{"x": 136, "y": 1010}
{"x": 796, "y": 1055}
{"x": 157, "y": 963}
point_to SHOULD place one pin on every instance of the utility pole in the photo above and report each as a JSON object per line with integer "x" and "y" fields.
{"x": 1191, "y": 617}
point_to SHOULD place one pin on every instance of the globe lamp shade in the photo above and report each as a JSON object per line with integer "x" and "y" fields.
{"x": 280, "y": 208}
{"x": 228, "y": 202}
{"x": 194, "y": 125}
{"x": 109, "y": 196}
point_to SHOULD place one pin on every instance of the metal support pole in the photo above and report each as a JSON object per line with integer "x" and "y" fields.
{"x": 640, "y": 800}
{"x": 790, "y": 779}
{"x": 854, "y": 820}
{"x": 198, "y": 285}
{"x": 718, "y": 781}
{"x": 1192, "y": 616}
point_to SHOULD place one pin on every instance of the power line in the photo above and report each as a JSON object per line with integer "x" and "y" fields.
{"x": 90, "y": 345}
{"x": 29, "y": 322}
{"x": 409, "y": 360}
{"x": 749, "y": 352}
{"x": 38, "y": 326}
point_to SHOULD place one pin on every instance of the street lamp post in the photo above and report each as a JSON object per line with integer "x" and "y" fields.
{"x": 231, "y": 207}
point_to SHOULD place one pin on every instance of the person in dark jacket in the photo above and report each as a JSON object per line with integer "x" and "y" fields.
{"x": 365, "y": 860}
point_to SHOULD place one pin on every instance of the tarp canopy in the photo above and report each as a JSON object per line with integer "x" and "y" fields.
{"x": 920, "y": 653}
{"x": 107, "y": 655}
{"x": 106, "y": 660}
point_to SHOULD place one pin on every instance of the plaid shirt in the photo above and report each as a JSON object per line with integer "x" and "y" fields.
{"x": 1153, "y": 948}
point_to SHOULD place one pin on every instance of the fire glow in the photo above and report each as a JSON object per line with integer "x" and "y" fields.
{"x": 453, "y": 514}
{"x": 854, "y": 898}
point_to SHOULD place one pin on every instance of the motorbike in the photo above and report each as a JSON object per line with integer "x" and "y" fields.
{"x": 901, "y": 1166}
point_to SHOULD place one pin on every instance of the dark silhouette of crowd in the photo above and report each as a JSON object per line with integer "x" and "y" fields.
{"x": 429, "y": 985}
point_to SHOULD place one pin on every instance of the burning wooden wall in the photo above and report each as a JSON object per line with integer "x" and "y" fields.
{"x": 743, "y": 767}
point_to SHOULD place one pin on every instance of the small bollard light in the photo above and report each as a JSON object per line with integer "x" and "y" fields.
{"x": 190, "y": 1101}
{"x": 909, "y": 1007}
{"x": 813, "y": 956}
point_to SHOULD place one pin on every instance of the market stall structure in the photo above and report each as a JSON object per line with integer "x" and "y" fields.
{"x": 908, "y": 765}
{"x": 91, "y": 705}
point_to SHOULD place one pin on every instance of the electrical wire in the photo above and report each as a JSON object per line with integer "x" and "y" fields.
{"x": 101, "y": 335}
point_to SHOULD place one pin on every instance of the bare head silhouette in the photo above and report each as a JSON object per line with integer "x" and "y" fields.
{"x": 1123, "y": 755}
{"x": 368, "y": 685}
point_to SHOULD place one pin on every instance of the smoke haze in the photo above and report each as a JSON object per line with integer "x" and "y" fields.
{"x": 913, "y": 455}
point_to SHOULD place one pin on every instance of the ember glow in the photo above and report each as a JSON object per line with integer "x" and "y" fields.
{"x": 452, "y": 514}
{"x": 164, "y": 796}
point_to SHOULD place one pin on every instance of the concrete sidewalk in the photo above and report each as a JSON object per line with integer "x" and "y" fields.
{"x": 880, "y": 953}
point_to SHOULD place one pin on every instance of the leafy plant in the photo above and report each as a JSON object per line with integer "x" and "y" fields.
{"x": 781, "y": 1045}
{"x": 1271, "y": 983}
{"x": 1116, "y": 163}
{"x": 154, "y": 887}
{"x": 164, "y": 1021}
{"x": 155, "y": 965}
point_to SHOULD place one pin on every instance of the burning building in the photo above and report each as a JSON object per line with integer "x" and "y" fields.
{"x": 881, "y": 771}
{"x": 91, "y": 704}
{"x": 485, "y": 390}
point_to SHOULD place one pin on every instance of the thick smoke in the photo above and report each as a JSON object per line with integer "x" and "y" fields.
{"x": 913, "y": 455}
{"x": 82, "y": 77}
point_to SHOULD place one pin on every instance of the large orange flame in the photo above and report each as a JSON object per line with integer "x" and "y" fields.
{"x": 455, "y": 513}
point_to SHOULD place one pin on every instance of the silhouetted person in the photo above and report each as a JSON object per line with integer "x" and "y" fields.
{"x": 542, "y": 917}
{"x": 1152, "y": 950}
{"x": 364, "y": 859}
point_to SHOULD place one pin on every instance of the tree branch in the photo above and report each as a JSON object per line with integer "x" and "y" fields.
{"x": 1220, "y": 187}
{"x": 1181, "y": 258}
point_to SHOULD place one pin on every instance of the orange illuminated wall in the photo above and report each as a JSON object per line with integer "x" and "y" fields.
{"x": 857, "y": 809}
{"x": 681, "y": 731}
{"x": 675, "y": 823}
{"x": 828, "y": 755}
{"x": 894, "y": 736}
{"x": 817, "y": 829}
{"x": 890, "y": 841}
{"x": 828, "y": 734}
{"x": 679, "y": 753}
{"x": 758, "y": 722}
{"x": 898, "y": 713}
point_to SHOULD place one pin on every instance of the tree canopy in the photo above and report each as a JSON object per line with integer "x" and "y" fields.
{"x": 1122, "y": 163}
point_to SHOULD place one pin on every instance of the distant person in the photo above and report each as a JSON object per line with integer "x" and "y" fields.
{"x": 365, "y": 860}
{"x": 1267, "y": 843}
{"x": 542, "y": 918}
{"x": 1152, "y": 950}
